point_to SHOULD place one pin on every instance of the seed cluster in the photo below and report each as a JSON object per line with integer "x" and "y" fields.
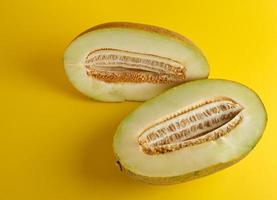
{"x": 202, "y": 122}
{"x": 114, "y": 65}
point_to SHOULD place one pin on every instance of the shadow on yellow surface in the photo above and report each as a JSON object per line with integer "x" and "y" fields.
{"x": 46, "y": 67}
{"x": 98, "y": 163}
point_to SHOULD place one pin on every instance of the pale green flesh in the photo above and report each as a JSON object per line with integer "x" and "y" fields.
{"x": 135, "y": 41}
{"x": 199, "y": 158}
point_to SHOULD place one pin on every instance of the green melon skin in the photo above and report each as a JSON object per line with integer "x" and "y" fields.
{"x": 131, "y": 37}
{"x": 180, "y": 178}
{"x": 194, "y": 161}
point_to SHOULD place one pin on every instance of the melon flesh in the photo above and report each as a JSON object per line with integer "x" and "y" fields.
{"x": 143, "y": 39}
{"x": 193, "y": 161}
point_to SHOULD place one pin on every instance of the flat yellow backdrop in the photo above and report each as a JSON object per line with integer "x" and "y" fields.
{"x": 56, "y": 144}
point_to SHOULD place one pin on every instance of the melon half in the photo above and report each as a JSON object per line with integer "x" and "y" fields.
{"x": 190, "y": 131}
{"x": 127, "y": 61}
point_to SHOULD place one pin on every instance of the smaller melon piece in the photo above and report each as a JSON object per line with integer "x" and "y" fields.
{"x": 127, "y": 61}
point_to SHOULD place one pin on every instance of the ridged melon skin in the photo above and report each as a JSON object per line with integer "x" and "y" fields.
{"x": 168, "y": 96}
{"x": 78, "y": 49}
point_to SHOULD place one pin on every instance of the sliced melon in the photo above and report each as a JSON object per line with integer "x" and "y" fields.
{"x": 190, "y": 131}
{"x": 128, "y": 61}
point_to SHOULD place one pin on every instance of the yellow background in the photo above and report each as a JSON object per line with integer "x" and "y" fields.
{"x": 56, "y": 143}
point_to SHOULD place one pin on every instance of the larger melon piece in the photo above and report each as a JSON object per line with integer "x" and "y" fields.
{"x": 190, "y": 131}
{"x": 128, "y": 61}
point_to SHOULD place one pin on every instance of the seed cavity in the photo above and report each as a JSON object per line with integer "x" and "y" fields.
{"x": 202, "y": 122}
{"x": 115, "y": 65}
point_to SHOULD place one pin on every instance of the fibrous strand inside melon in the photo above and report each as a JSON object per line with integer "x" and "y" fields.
{"x": 201, "y": 122}
{"x": 114, "y": 65}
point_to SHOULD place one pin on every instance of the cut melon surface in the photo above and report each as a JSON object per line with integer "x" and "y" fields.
{"x": 214, "y": 123}
{"x": 127, "y": 61}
